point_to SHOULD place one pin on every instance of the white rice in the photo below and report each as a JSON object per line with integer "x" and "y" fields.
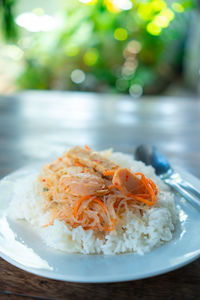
{"x": 138, "y": 234}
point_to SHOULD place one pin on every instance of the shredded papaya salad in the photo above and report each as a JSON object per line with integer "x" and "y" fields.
{"x": 83, "y": 188}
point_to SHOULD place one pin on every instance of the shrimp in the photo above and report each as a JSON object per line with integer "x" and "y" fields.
{"x": 80, "y": 181}
{"x": 128, "y": 181}
{"x": 92, "y": 160}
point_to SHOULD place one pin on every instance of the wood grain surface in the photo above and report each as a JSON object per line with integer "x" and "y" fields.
{"x": 39, "y": 125}
{"x": 179, "y": 284}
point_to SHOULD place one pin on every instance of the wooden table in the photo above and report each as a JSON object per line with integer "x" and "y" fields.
{"x": 40, "y": 125}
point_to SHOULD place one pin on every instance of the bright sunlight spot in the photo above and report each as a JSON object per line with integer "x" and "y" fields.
{"x": 153, "y": 28}
{"x": 77, "y": 76}
{"x": 35, "y": 23}
{"x": 91, "y": 56}
{"x": 120, "y": 34}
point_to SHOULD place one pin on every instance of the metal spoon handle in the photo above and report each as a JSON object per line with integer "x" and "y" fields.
{"x": 190, "y": 188}
{"x": 173, "y": 176}
{"x": 195, "y": 201}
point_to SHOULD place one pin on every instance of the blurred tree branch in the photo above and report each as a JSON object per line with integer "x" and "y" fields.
{"x": 7, "y": 19}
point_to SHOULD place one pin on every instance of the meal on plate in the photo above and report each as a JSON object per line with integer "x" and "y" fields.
{"x": 97, "y": 202}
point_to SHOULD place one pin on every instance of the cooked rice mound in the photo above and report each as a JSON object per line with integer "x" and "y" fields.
{"x": 97, "y": 203}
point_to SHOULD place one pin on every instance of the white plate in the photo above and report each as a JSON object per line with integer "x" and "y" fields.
{"x": 20, "y": 246}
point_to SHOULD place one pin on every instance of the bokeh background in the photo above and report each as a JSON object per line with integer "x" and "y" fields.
{"x": 118, "y": 46}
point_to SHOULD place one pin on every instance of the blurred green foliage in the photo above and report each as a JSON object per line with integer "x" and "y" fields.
{"x": 100, "y": 47}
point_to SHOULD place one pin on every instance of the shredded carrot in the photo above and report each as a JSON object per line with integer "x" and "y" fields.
{"x": 140, "y": 199}
{"x": 78, "y": 203}
{"x": 100, "y": 203}
{"x": 150, "y": 186}
{"x": 87, "y": 147}
{"x": 78, "y": 164}
{"x": 117, "y": 187}
{"x": 153, "y": 185}
{"x": 108, "y": 172}
{"x": 107, "y": 228}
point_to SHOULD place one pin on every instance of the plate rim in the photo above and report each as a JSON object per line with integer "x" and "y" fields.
{"x": 98, "y": 280}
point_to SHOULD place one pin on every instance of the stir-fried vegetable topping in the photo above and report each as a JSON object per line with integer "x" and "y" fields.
{"x": 83, "y": 188}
